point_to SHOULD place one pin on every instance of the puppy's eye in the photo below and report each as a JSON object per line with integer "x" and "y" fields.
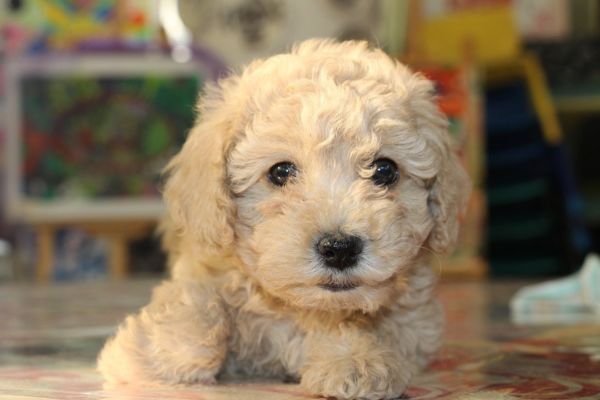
{"x": 386, "y": 172}
{"x": 281, "y": 172}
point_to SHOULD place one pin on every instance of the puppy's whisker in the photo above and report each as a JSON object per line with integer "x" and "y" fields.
{"x": 437, "y": 259}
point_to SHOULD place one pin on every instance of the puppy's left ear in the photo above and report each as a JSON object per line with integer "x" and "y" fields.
{"x": 450, "y": 189}
{"x": 196, "y": 192}
{"x": 447, "y": 202}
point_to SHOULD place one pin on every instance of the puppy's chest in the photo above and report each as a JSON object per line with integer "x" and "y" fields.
{"x": 264, "y": 345}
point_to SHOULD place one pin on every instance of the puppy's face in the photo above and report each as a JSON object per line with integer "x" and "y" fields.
{"x": 338, "y": 182}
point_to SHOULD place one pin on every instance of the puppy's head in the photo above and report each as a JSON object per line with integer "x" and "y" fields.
{"x": 327, "y": 171}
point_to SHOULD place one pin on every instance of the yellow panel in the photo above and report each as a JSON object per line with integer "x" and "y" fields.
{"x": 489, "y": 34}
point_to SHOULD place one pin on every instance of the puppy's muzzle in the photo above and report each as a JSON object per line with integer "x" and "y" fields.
{"x": 339, "y": 251}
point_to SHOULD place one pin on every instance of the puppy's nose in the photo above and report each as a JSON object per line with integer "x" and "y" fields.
{"x": 339, "y": 251}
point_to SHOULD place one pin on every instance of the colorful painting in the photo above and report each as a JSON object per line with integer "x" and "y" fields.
{"x": 42, "y": 25}
{"x": 89, "y": 137}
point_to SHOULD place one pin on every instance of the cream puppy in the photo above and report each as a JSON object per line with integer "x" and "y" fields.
{"x": 303, "y": 209}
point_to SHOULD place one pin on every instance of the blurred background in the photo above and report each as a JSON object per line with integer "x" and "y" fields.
{"x": 96, "y": 96}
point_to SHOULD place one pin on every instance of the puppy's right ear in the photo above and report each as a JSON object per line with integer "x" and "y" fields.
{"x": 196, "y": 193}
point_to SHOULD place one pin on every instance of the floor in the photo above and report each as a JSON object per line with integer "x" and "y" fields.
{"x": 49, "y": 338}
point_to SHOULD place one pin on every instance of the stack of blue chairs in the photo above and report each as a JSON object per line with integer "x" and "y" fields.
{"x": 534, "y": 224}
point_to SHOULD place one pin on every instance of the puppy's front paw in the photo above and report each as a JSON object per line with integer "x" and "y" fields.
{"x": 179, "y": 338}
{"x": 372, "y": 377}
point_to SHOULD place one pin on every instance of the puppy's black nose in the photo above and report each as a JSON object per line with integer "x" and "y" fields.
{"x": 339, "y": 251}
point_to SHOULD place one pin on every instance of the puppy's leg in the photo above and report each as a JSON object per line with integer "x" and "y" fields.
{"x": 428, "y": 325}
{"x": 374, "y": 362}
{"x": 180, "y": 337}
{"x": 353, "y": 365}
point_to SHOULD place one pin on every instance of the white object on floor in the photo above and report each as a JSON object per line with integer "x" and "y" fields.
{"x": 575, "y": 298}
{"x": 5, "y": 260}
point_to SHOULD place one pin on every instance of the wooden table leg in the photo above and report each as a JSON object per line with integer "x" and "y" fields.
{"x": 119, "y": 257}
{"x": 45, "y": 248}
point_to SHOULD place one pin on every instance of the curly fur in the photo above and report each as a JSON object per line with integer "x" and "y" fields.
{"x": 244, "y": 296}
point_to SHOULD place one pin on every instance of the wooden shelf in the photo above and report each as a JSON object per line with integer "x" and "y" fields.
{"x": 117, "y": 233}
{"x": 577, "y": 104}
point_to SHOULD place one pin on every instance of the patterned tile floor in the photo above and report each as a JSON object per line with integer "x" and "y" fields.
{"x": 49, "y": 338}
